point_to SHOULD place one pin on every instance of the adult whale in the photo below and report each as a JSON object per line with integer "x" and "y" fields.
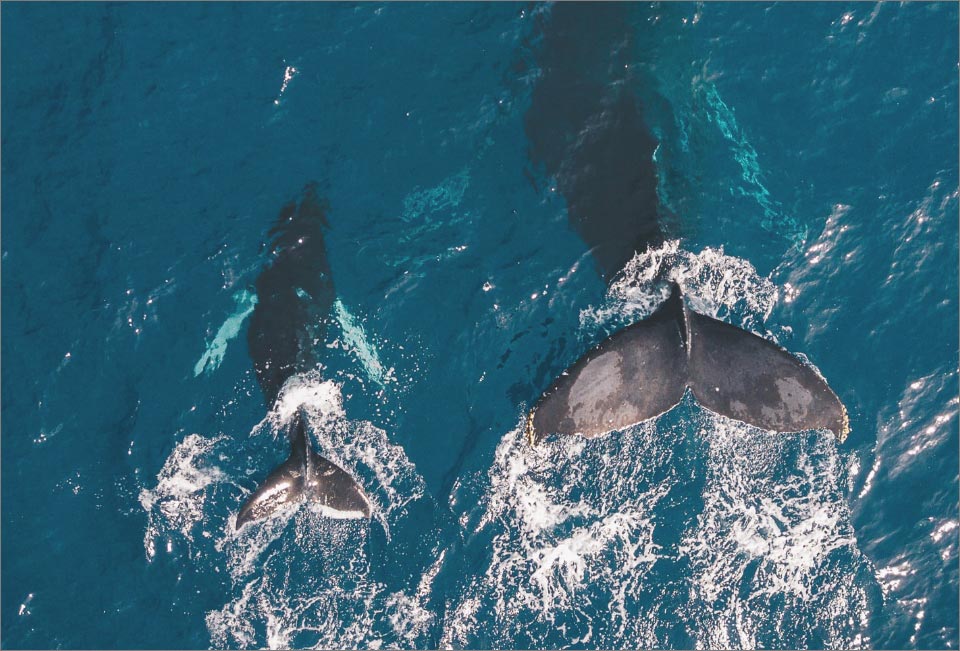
{"x": 294, "y": 295}
{"x": 586, "y": 131}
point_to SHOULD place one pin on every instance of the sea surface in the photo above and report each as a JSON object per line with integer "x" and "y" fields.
{"x": 808, "y": 162}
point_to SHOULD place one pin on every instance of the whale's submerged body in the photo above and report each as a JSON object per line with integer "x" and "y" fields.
{"x": 295, "y": 293}
{"x": 586, "y": 131}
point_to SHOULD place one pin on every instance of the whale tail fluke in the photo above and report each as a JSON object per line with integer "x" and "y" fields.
{"x": 742, "y": 376}
{"x": 305, "y": 476}
{"x": 644, "y": 370}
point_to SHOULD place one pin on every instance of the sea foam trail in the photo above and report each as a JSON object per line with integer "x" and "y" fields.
{"x": 558, "y": 541}
{"x": 775, "y": 537}
{"x": 676, "y": 532}
{"x": 314, "y": 587}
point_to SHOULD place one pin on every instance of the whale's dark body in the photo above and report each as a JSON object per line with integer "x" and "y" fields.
{"x": 585, "y": 128}
{"x": 294, "y": 295}
{"x": 586, "y": 131}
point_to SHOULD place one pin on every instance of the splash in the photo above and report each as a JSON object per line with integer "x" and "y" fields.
{"x": 308, "y": 598}
{"x": 700, "y": 533}
{"x": 320, "y": 398}
{"x": 289, "y": 72}
{"x": 305, "y": 581}
{"x": 359, "y": 447}
{"x": 176, "y": 505}
{"x": 311, "y": 587}
{"x": 714, "y": 283}
{"x": 775, "y": 520}
{"x": 568, "y": 535}
{"x": 300, "y": 578}
{"x": 245, "y": 303}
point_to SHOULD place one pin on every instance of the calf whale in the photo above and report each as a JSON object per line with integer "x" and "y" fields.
{"x": 586, "y": 131}
{"x": 294, "y": 295}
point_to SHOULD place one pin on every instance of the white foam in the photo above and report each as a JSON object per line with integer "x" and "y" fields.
{"x": 359, "y": 447}
{"x": 313, "y": 590}
{"x": 302, "y": 577}
{"x": 289, "y": 72}
{"x": 322, "y": 398}
{"x": 773, "y": 499}
{"x": 552, "y": 551}
{"x": 769, "y": 555}
{"x": 751, "y": 529}
{"x": 713, "y": 283}
{"x": 333, "y": 604}
{"x": 177, "y": 502}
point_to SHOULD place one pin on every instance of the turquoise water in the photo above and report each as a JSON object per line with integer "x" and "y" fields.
{"x": 808, "y": 166}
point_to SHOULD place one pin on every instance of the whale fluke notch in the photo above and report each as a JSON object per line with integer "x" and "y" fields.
{"x": 305, "y": 476}
{"x": 643, "y": 371}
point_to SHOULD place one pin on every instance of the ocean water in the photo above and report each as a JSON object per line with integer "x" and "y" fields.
{"x": 808, "y": 162}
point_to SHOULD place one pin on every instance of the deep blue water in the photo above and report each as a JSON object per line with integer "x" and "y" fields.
{"x": 808, "y": 158}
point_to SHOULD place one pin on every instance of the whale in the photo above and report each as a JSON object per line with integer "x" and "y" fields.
{"x": 586, "y": 132}
{"x": 295, "y": 293}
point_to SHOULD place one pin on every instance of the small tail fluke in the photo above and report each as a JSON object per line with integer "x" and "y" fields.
{"x": 305, "y": 476}
{"x": 644, "y": 370}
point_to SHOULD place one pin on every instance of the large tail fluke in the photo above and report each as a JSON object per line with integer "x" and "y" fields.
{"x": 644, "y": 370}
{"x": 305, "y": 476}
